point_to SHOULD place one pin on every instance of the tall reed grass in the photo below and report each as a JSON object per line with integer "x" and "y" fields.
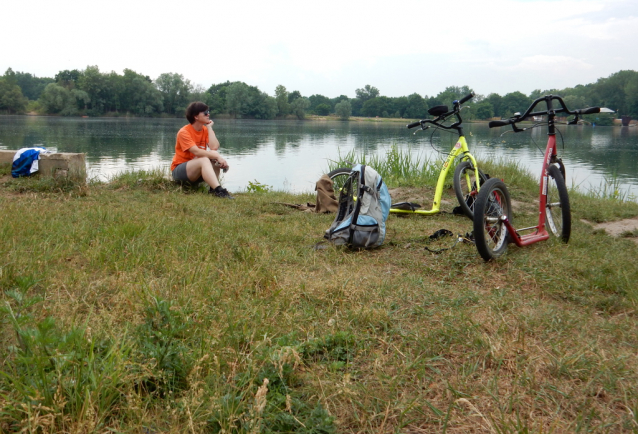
{"x": 610, "y": 188}
{"x": 398, "y": 167}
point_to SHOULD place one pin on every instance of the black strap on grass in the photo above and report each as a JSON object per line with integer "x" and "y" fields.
{"x": 467, "y": 238}
{"x": 438, "y": 235}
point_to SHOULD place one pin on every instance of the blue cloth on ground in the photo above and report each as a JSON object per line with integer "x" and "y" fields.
{"x": 25, "y": 161}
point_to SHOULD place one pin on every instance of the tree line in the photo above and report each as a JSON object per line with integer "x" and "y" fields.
{"x": 94, "y": 93}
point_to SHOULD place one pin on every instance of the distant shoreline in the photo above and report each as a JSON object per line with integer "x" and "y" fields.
{"x": 226, "y": 117}
{"x": 287, "y": 118}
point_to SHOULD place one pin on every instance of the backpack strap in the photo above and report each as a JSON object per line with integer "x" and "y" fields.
{"x": 467, "y": 238}
{"x": 357, "y": 206}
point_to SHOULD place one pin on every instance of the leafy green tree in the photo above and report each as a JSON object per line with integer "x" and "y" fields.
{"x": 281, "y": 96}
{"x": 631, "y": 98}
{"x": 217, "y": 97}
{"x": 264, "y": 105}
{"x": 140, "y": 97}
{"x": 237, "y": 98}
{"x": 322, "y": 109}
{"x": 433, "y": 101}
{"x": 34, "y": 107}
{"x": 293, "y": 96}
{"x": 397, "y": 105}
{"x": 600, "y": 119}
{"x": 241, "y": 100}
{"x": 56, "y": 99}
{"x": 216, "y": 104}
{"x": 317, "y": 100}
{"x": 175, "y": 91}
{"x": 106, "y": 90}
{"x": 417, "y": 108}
{"x": 497, "y": 101}
{"x": 618, "y": 92}
{"x": 357, "y": 106}
{"x": 335, "y": 101}
{"x": 11, "y": 98}
{"x": 582, "y": 94}
{"x": 199, "y": 93}
{"x": 82, "y": 100}
{"x": 574, "y": 102}
{"x": 260, "y": 105}
{"x": 611, "y": 92}
{"x": 114, "y": 92}
{"x": 31, "y": 85}
{"x": 451, "y": 94}
{"x": 343, "y": 109}
{"x": 68, "y": 78}
{"x": 96, "y": 85}
{"x": 363, "y": 95}
{"x": 514, "y": 102}
{"x": 10, "y": 77}
{"x": 535, "y": 94}
{"x": 484, "y": 110}
{"x": 375, "y": 106}
{"x": 299, "y": 107}
{"x": 366, "y": 93}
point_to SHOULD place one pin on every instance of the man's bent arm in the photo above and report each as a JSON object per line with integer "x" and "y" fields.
{"x": 213, "y": 143}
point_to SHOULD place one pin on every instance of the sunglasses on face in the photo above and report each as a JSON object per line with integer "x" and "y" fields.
{"x": 206, "y": 113}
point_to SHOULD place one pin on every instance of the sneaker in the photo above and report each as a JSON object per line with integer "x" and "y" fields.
{"x": 221, "y": 192}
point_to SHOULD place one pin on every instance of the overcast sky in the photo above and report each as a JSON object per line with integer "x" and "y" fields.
{"x": 330, "y": 47}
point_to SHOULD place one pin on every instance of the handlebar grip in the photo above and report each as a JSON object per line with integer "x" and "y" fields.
{"x": 494, "y": 124}
{"x": 589, "y": 110}
{"x": 467, "y": 98}
{"x": 414, "y": 124}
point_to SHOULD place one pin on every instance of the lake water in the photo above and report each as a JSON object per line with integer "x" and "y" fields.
{"x": 292, "y": 155}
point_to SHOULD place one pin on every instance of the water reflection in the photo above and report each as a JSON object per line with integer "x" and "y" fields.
{"x": 292, "y": 155}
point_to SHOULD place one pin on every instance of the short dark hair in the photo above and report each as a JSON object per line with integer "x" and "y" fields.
{"x": 194, "y": 109}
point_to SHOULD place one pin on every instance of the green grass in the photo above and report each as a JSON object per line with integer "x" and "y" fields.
{"x": 136, "y": 306}
{"x": 398, "y": 168}
{"x": 73, "y": 184}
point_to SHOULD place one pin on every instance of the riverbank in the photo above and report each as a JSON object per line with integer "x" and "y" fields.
{"x": 136, "y": 306}
{"x": 309, "y": 117}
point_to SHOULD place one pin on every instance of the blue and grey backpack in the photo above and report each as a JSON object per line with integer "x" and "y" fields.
{"x": 364, "y": 205}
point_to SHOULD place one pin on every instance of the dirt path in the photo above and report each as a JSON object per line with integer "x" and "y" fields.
{"x": 618, "y": 227}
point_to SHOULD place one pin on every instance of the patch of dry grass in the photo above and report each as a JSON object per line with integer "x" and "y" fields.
{"x": 186, "y": 303}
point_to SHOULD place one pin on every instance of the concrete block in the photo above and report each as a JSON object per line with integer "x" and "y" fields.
{"x": 53, "y": 165}
{"x": 6, "y": 157}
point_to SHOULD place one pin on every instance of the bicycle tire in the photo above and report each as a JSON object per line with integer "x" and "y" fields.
{"x": 561, "y": 166}
{"x": 466, "y": 194}
{"x": 490, "y": 234}
{"x": 558, "y": 213}
{"x": 339, "y": 177}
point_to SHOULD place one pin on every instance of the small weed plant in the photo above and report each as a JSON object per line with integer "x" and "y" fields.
{"x": 258, "y": 187}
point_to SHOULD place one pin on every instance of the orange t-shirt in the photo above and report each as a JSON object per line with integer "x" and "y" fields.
{"x": 188, "y": 137}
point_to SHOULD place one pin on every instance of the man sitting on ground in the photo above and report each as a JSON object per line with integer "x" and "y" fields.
{"x": 196, "y": 157}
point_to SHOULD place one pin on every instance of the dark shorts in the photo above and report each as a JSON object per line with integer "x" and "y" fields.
{"x": 179, "y": 175}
